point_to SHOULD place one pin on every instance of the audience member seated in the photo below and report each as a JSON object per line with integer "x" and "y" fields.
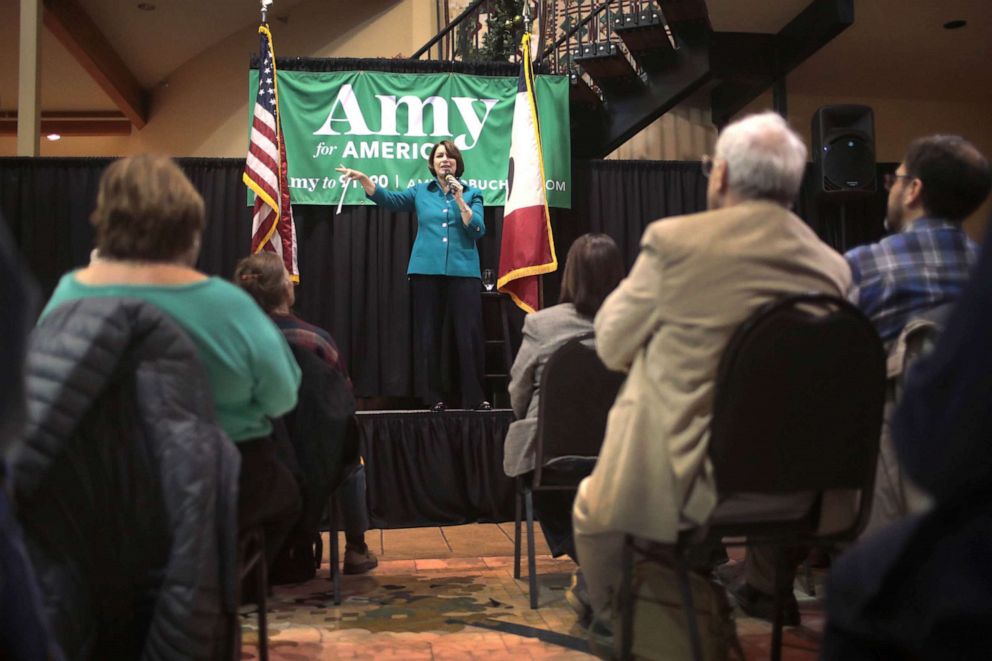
{"x": 926, "y": 263}
{"x": 922, "y": 587}
{"x": 916, "y": 274}
{"x": 593, "y": 268}
{"x": 696, "y": 279}
{"x": 266, "y": 279}
{"x": 149, "y": 220}
{"x": 24, "y": 634}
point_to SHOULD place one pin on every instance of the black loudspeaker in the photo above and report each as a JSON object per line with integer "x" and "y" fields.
{"x": 843, "y": 139}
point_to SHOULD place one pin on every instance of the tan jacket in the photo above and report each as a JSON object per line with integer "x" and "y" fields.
{"x": 696, "y": 279}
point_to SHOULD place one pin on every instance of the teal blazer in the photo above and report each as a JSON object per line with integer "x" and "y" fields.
{"x": 444, "y": 245}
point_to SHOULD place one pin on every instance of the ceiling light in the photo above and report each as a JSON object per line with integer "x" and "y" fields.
{"x": 146, "y": 6}
{"x": 955, "y": 24}
{"x": 53, "y": 136}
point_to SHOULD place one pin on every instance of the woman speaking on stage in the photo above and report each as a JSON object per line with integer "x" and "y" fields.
{"x": 443, "y": 271}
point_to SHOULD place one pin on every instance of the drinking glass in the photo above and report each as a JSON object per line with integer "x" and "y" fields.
{"x": 488, "y": 279}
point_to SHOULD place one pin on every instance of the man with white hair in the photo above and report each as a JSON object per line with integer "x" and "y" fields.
{"x": 695, "y": 281}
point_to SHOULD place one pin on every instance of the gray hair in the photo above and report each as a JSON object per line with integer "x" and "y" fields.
{"x": 765, "y": 158}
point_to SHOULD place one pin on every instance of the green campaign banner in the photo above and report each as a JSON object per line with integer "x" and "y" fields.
{"x": 385, "y": 125}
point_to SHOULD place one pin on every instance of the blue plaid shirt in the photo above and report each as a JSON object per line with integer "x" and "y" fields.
{"x": 906, "y": 274}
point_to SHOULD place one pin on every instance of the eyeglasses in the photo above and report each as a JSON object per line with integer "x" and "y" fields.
{"x": 706, "y": 165}
{"x": 889, "y": 179}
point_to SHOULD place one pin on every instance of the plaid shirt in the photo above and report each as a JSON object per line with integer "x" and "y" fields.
{"x": 906, "y": 274}
{"x": 312, "y": 338}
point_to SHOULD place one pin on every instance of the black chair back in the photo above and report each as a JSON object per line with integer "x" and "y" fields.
{"x": 577, "y": 392}
{"x": 799, "y": 397}
{"x": 321, "y": 431}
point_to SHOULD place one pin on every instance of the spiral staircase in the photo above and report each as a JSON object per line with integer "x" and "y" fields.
{"x": 631, "y": 61}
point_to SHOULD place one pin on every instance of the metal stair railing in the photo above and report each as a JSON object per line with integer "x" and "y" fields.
{"x": 565, "y": 24}
{"x": 468, "y": 27}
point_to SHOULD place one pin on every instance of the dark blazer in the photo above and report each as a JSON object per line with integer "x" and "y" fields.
{"x": 24, "y": 632}
{"x": 923, "y": 586}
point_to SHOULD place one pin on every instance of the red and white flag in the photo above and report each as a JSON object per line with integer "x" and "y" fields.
{"x": 272, "y": 225}
{"x": 527, "y": 249}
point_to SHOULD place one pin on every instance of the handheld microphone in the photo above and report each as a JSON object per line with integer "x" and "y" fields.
{"x": 454, "y": 183}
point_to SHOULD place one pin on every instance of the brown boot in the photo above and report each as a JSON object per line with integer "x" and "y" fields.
{"x": 358, "y": 560}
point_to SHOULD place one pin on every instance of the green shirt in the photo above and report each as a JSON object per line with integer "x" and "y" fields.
{"x": 251, "y": 370}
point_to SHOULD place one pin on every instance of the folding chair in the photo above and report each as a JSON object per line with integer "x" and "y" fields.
{"x": 797, "y": 413}
{"x": 251, "y": 554}
{"x": 576, "y": 394}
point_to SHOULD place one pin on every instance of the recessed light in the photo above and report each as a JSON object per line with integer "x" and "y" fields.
{"x": 146, "y": 6}
{"x": 955, "y": 25}
{"x": 53, "y": 136}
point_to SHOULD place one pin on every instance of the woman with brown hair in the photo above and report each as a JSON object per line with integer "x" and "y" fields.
{"x": 593, "y": 268}
{"x": 148, "y": 222}
{"x": 265, "y": 278}
{"x": 443, "y": 270}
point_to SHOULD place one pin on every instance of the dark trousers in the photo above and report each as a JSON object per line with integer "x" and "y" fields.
{"x": 268, "y": 495}
{"x": 761, "y": 562}
{"x": 554, "y": 510}
{"x": 435, "y": 296}
{"x": 353, "y": 509}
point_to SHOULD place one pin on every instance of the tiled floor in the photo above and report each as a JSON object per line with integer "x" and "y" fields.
{"x": 450, "y": 594}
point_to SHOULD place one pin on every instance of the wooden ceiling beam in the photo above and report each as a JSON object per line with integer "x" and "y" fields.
{"x": 73, "y": 123}
{"x": 73, "y": 27}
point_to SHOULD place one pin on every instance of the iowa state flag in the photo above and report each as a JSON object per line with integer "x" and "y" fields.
{"x": 528, "y": 248}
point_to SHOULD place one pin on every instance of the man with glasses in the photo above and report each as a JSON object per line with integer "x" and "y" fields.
{"x": 942, "y": 180}
{"x": 914, "y": 275}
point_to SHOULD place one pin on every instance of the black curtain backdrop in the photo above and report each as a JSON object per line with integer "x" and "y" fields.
{"x": 353, "y": 265}
{"x": 426, "y": 469}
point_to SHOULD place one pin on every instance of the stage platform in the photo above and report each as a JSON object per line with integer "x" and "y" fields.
{"x": 436, "y": 469}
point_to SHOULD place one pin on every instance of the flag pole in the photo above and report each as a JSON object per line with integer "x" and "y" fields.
{"x": 265, "y": 11}
{"x": 525, "y": 52}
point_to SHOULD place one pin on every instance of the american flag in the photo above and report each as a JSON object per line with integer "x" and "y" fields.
{"x": 272, "y": 225}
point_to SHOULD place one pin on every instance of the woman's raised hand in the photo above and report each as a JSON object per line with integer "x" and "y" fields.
{"x": 349, "y": 173}
{"x": 359, "y": 176}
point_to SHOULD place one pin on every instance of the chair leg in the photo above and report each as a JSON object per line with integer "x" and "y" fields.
{"x": 531, "y": 560}
{"x": 627, "y": 600}
{"x": 335, "y": 551}
{"x": 778, "y": 613}
{"x": 262, "y": 585}
{"x": 810, "y": 586}
{"x": 318, "y": 550}
{"x": 516, "y": 528}
{"x": 689, "y": 607}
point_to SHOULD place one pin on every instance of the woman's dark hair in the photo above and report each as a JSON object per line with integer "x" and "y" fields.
{"x": 593, "y": 268}
{"x": 147, "y": 210}
{"x": 954, "y": 173}
{"x": 263, "y": 275}
{"x": 452, "y": 151}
